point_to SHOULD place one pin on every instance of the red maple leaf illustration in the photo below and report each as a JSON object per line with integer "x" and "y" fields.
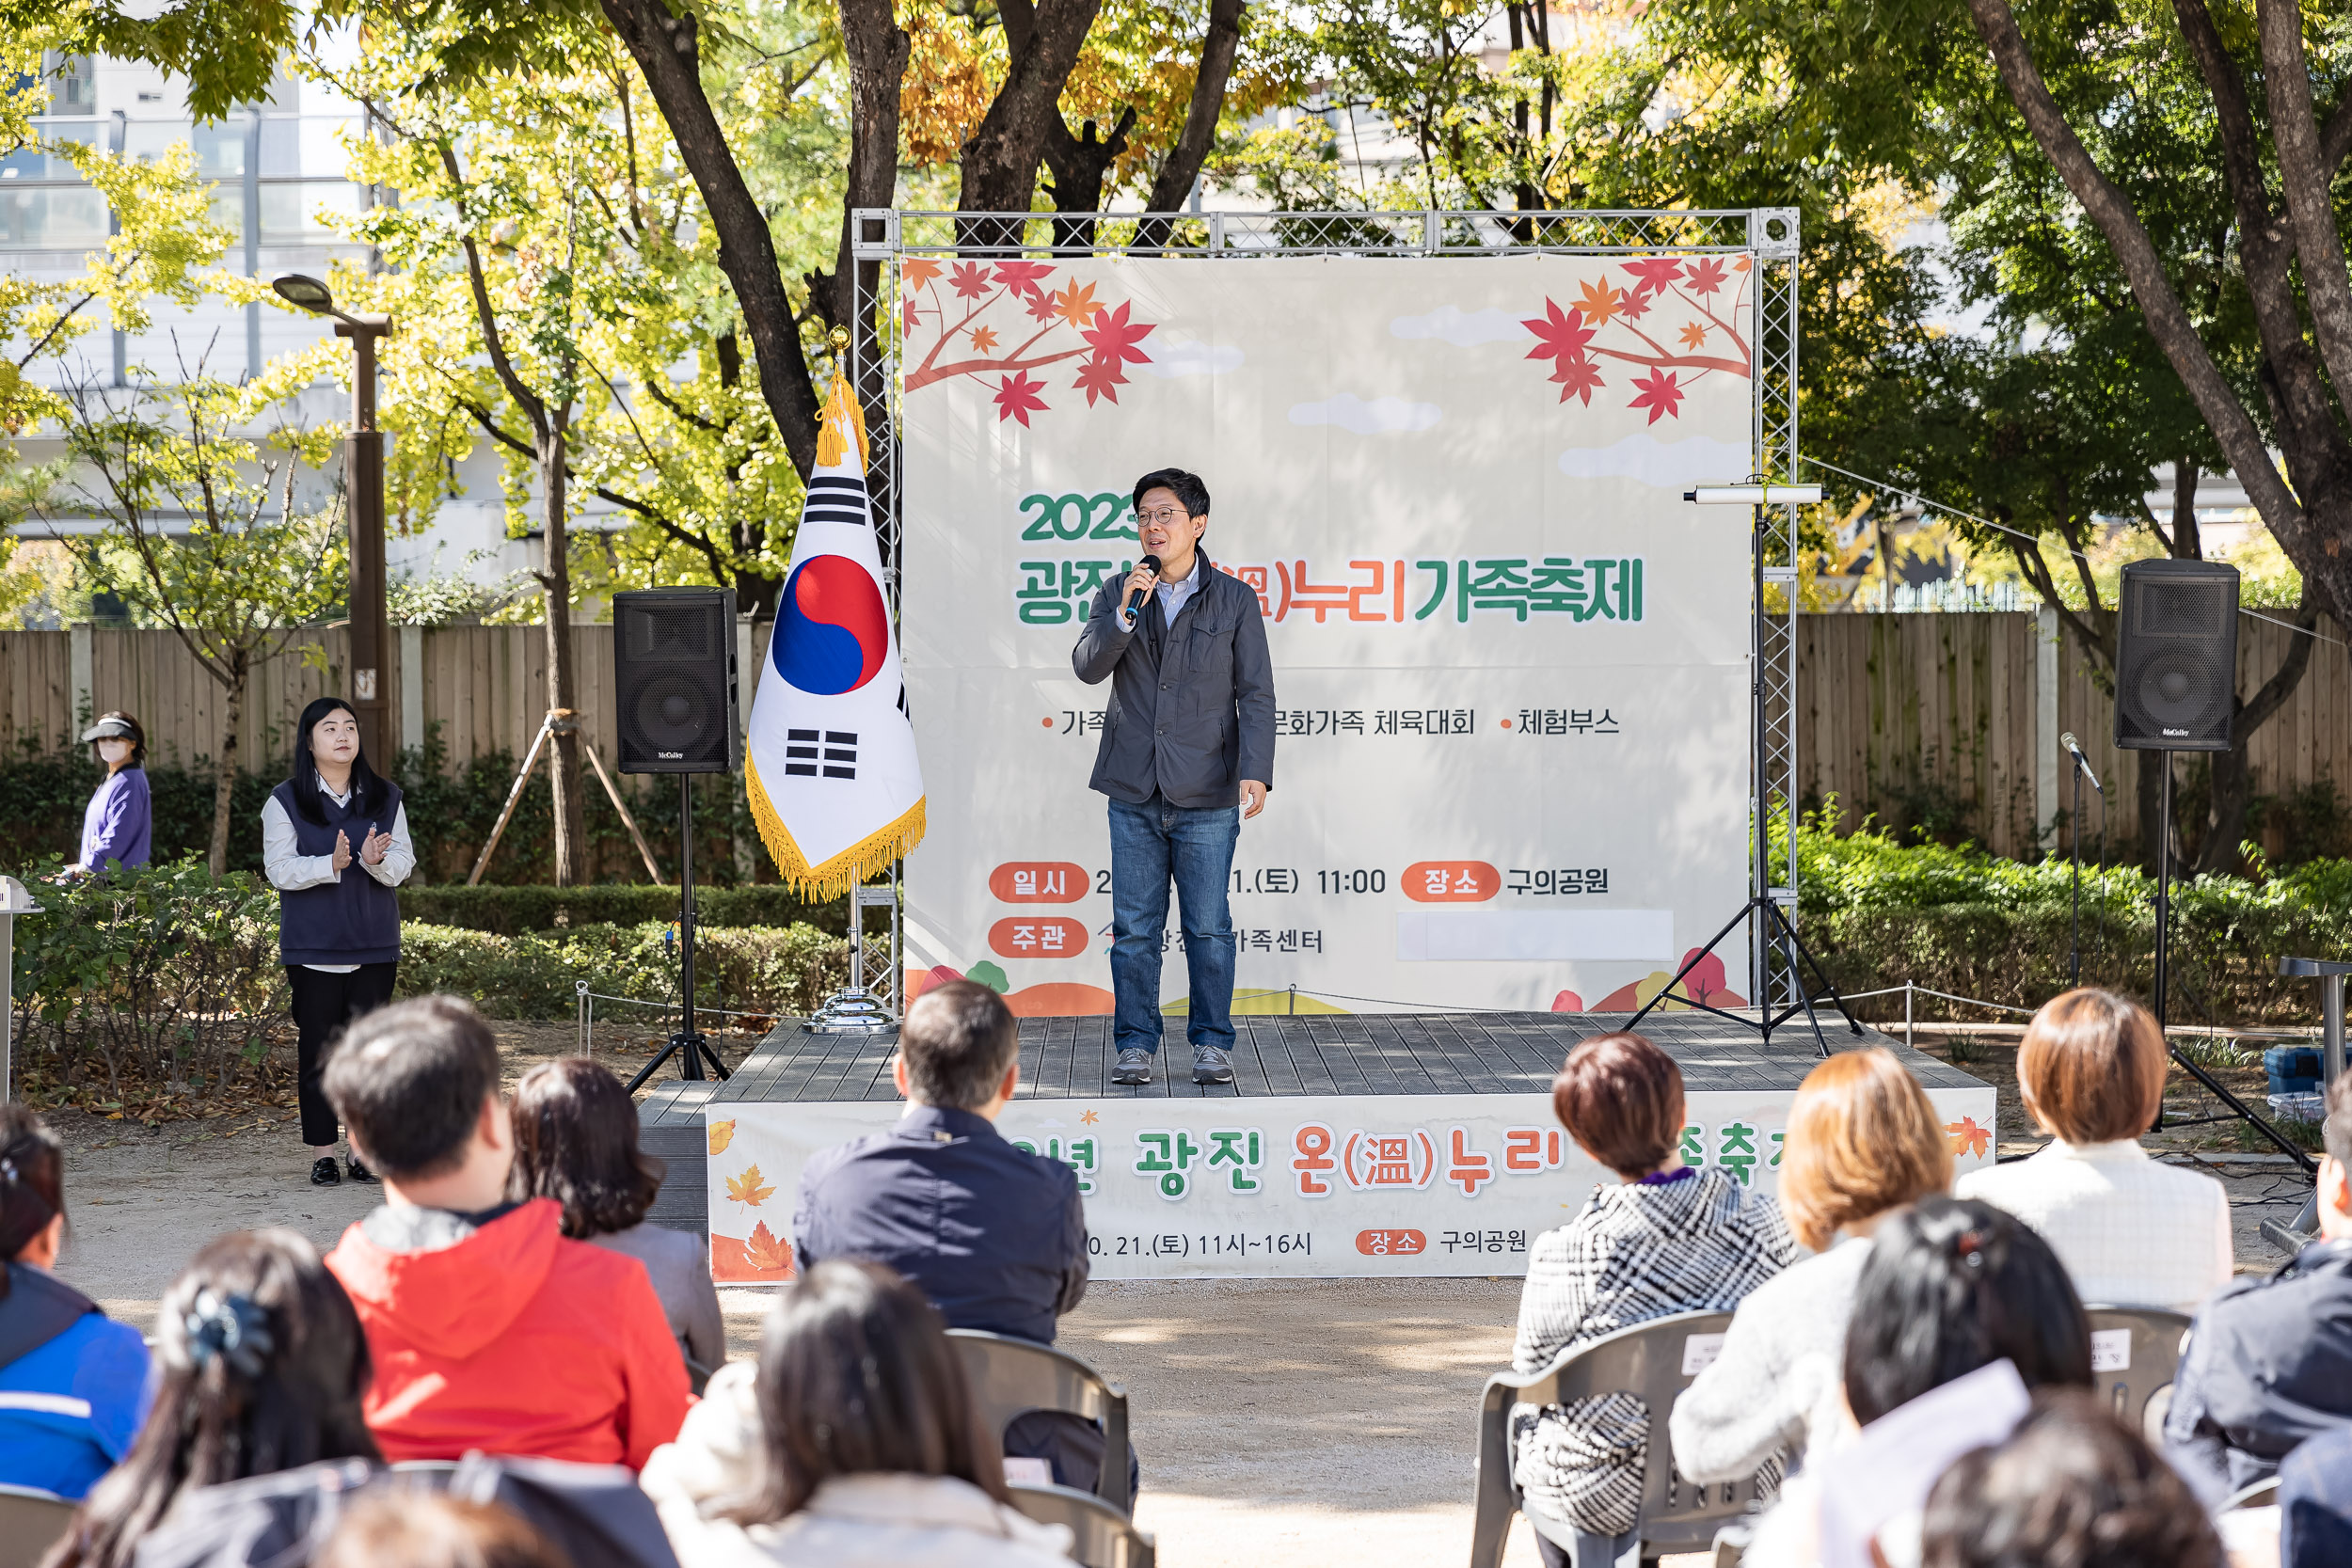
{"x": 912, "y": 315}
{"x": 1559, "y": 335}
{"x": 1707, "y": 275}
{"x": 1655, "y": 274}
{"x": 970, "y": 281}
{"x": 1101, "y": 377}
{"x": 1659, "y": 394}
{"x": 918, "y": 271}
{"x": 1967, "y": 1136}
{"x": 1017, "y": 398}
{"x": 1042, "y": 307}
{"x": 1577, "y": 376}
{"x": 1021, "y": 277}
{"x": 1115, "y": 338}
{"x": 1637, "y": 305}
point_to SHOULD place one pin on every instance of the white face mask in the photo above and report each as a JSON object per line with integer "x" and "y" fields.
{"x": 114, "y": 750}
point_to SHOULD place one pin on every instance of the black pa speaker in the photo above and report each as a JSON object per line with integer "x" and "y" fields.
{"x": 2176, "y": 657}
{"x": 674, "y": 666}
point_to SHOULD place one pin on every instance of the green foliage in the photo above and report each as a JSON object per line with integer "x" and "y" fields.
{"x": 532, "y": 974}
{"x": 1959, "y": 920}
{"x": 545, "y": 909}
{"x": 160, "y": 975}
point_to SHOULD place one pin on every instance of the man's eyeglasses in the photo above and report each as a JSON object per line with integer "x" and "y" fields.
{"x": 1165, "y": 516}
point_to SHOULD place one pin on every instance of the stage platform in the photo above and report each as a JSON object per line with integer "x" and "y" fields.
{"x": 1465, "y": 1098}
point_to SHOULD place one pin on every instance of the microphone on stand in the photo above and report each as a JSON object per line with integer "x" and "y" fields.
{"x": 2081, "y": 761}
{"x": 1134, "y": 603}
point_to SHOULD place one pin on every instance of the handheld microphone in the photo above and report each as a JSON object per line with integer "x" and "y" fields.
{"x": 2081, "y": 761}
{"x": 1133, "y": 604}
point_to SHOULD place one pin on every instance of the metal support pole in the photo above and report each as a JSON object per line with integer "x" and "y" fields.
{"x": 2164, "y": 892}
{"x": 2331, "y": 1026}
{"x": 1759, "y": 943}
{"x": 14, "y": 900}
{"x": 2075, "y": 946}
{"x": 1910, "y": 991}
{"x": 691, "y": 1063}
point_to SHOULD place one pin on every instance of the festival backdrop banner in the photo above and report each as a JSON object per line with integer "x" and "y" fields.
{"x": 1510, "y": 661}
{"x": 1308, "y": 1185}
{"x": 829, "y": 758}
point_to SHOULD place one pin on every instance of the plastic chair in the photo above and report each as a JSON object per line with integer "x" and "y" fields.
{"x": 1011, "y": 1377}
{"x": 1101, "y": 1535}
{"x": 1654, "y": 1361}
{"x": 2134, "y": 1352}
{"x": 31, "y": 1522}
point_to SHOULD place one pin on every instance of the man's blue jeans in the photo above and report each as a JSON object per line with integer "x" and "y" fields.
{"x": 1152, "y": 845}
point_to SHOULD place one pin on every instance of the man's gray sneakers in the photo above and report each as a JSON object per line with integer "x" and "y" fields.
{"x": 1135, "y": 1066}
{"x": 1211, "y": 1065}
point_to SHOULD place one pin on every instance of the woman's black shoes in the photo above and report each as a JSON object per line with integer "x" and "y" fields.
{"x": 358, "y": 1171}
{"x": 323, "y": 1174}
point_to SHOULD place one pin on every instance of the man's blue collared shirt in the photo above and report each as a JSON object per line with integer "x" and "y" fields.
{"x": 995, "y": 1235}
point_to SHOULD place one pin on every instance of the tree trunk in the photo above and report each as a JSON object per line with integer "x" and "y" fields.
{"x": 877, "y": 48}
{"x": 2232, "y": 788}
{"x": 225, "y": 770}
{"x": 1180, "y": 169}
{"x": 1000, "y": 160}
{"x": 1079, "y": 163}
{"x": 555, "y": 585}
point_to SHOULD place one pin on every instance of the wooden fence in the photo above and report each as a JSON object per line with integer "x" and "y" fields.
{"x": 1950, "y": 720}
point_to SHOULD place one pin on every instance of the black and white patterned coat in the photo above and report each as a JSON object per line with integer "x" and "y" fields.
{"x": 1634, "y": 1252}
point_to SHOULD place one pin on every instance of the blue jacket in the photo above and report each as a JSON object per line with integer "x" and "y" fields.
{"x": 995, "y": 1235}
{"x": 2268, "y": 1365}
{"x": 119, "y": 824}
{"x": 73, "y": 1385}
{"x": 354, "y": 919}
{"x": 2315, "y": 1503}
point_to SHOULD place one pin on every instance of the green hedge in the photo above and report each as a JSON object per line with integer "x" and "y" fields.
{"x": 510, "y": 910}
{"x": 771, "y": 970}
{"x": 1959, "y": 920}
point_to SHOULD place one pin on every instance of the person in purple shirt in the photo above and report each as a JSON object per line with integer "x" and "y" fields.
{"x": 119, "y": 825}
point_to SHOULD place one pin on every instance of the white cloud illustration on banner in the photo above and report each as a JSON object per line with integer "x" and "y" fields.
{"x": 1665, "y": 464}
{"x": 1463, "y": 328}
{"x": 1378, "y": 417}
{"x": 1172, "y": 358}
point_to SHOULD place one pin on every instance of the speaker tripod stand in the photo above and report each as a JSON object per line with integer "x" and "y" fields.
{"x": 1778, "y": 934}
{"x": 688, "y": 1044}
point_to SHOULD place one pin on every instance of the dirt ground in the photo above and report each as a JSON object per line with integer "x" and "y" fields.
{"x": 1297, "y": 1422}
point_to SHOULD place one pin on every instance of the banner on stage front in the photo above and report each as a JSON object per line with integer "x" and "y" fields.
{"x": 1511, "y": 662}
{"x": 1309, "y": 1186}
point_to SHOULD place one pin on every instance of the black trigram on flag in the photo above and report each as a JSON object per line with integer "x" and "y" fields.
{"x": 834, "y": 751}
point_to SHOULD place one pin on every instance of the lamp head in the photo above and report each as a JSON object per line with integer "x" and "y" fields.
{"x": 307, "y": 293}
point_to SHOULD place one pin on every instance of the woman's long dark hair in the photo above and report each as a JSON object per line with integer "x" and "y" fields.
{"x": 1952, "y": 1285}
{"x": 856, "y": 1377}
{"x": 32, "y": 1183}
{"x": 367, "y": 785}
{"x": 576, "y": 1142}
{"x": 260, "y": 1366}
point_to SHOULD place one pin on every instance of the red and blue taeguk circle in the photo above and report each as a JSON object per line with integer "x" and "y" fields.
{"x": 831, "y": 630}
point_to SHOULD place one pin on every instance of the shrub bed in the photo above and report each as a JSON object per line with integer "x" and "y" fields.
{"x": 511, "y": 910}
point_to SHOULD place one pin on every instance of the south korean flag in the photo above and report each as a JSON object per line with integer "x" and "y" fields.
{"x": 830, "y": 754}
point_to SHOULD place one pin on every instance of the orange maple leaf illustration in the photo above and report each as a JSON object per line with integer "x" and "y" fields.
{"x": 1967, "y": 1137}
{"x": 1600, "y": 301}
{"x": 918, "y": 271}
{"x": 984, "y": 338}
{"x": 1075, "y": 305}
{"x": 766, "y": 1251}
{"x": 1741, "y": 263}
{"x": 722, "y": 1134}
{"x": 1693, "y": 335}
{"x": 746, "y": 1189}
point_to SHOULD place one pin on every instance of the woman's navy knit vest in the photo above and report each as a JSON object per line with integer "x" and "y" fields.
{"x": 354, "y": 919}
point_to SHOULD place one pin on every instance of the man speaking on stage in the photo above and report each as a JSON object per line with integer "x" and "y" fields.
{"x": 1187, "y": 751}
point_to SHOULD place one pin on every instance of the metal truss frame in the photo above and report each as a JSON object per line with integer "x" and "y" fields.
{"x": 881, "y": 236}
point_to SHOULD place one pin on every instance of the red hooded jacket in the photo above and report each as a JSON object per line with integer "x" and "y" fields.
{"x": 515, "y": 1341}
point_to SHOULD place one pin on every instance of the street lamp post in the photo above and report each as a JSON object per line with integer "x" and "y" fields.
{"x": 363, "y": 475}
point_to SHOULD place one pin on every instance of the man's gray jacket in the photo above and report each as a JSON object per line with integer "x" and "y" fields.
{"x": 1192, "y": 706}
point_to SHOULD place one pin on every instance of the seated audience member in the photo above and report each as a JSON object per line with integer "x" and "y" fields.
{"x": 2269, "y": 1361}
{"x": 1863, "y": 1142}
{"x": 2132, "y": 1232}
{"x": 1951, "y": 1291}
{"x": 425, "y": 1530}
{"x": 490, "y": 1328}
{"x": 854, "y": 1441}
{"x": 72, "y": 1380}
{"x": 2315, "y": 1503}
{"x": 2072, "y": 1487}
{"x": 995, "y": 1235}
{"x": 261, "y": 1367}
{"x": 1665, "y": 1237}
{"x": 576, "y": 1142}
